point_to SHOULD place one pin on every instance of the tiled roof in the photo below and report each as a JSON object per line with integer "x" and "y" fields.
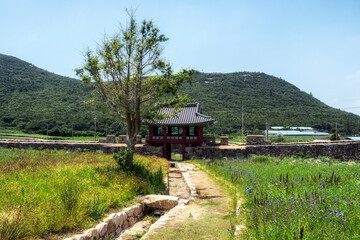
{"x": 188, "y": 115}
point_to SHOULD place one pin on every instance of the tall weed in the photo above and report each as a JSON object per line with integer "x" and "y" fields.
{"x": 70, "y": 194}
{"x": 96, "y": 208}
{"x": 11, "y": 226}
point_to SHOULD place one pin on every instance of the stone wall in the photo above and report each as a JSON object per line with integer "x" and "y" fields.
{"x": 116, "y": 223}
{"x": 345, "y": 150}
{"x": 209, "y": 140}
{"x": 256, "y": 140}
{"x": 55, "y": 145}
{"x": 79, "y": 146}
{"x": 213, "y": 152}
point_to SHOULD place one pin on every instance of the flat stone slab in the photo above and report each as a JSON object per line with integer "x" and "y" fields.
{"x": 161, "y": 202}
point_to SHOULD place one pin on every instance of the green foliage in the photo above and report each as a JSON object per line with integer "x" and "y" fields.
{"x": 128, "y": 71}
{"x": 279, "y": 139}
{"x": 334, "y": 137}
{"x": 260, "y": 159}
{"x": 122, "y": 157}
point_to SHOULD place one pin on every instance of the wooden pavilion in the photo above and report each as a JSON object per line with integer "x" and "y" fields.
{"x": 184, "y": 127}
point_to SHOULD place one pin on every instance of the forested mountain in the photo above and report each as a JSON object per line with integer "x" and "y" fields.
{"x": 32, "y": 99}
{"x": 265, "y": 99}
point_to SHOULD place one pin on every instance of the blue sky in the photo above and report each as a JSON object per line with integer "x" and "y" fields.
{"x": 313, "y": 44}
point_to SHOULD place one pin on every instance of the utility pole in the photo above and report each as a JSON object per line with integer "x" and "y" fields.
{"x": 267, "y": 131}
{"x": 72, "y": 131}
{"x": 95, "y": 128}
{"x": 242, "y": 123}
{"x": 336, "y": 133}
{"x": 47, "y": 131}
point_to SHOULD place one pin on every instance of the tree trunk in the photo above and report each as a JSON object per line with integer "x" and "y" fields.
{"x": 130, "y": 142}
{"x": 131, "y": 149}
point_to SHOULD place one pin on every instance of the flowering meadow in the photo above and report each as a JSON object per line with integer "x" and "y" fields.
{"x": 294, "y": 198}
{"x": 45, "y": 193}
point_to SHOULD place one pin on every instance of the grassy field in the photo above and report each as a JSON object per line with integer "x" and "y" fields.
{"x": 287, "y": 139}
{"x": 8, "y": 134}
{"x": 295, "y": 198}
{"x": 43, "y": 193}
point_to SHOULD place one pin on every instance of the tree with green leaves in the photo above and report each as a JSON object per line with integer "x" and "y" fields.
{"x": 131, "y": 76}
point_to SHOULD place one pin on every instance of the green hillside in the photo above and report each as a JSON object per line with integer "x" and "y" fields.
{"x": 32, "y": 99}
{"x": 265, "y": 99}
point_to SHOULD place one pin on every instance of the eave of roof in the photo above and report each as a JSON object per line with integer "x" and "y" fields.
{"x": 189, "y": 115}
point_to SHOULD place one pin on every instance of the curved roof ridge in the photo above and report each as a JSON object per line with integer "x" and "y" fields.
{"x": 189, "y": 115}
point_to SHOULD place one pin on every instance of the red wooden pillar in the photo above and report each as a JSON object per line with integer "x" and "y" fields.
{"x": 164, "y": 128}
{"x": 184, "y": 143}
{"x": 200, "y": 135}
{"x": 151, "y": 134}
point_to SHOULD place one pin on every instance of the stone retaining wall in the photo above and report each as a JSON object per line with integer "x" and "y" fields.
{"x": 116, "y": 223}
{"x": 56, "y": 145}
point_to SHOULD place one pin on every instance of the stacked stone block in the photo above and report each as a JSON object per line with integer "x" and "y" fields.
{"x": 110, "y": 139}
{"x": 209, "y": 140}
{"x": 224, "y": 140}
{"x": 256, "y": 140}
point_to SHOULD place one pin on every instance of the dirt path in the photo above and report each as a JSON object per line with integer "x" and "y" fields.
{"x": 203, "y": 216}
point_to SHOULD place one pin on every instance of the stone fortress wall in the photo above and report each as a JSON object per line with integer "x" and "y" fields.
{"x": 339, "y": 150}
{"x": 344, "y": 150}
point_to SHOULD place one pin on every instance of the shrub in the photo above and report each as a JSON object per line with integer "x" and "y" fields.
{"x": 260, "y": 158}
{"x": 334, "y": 137}
{"x": 279, "y": 139}
{"x": 122, "y": 157}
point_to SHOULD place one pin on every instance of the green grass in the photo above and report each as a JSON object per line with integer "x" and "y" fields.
{"x": 176, "y": 156}
{"x": 287, "y": 139}
{"x": 13, "y": 134}
{"x": 295, "y": 198}
{"x": 278, "y": 139}
{"x": 54, "y": 192}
